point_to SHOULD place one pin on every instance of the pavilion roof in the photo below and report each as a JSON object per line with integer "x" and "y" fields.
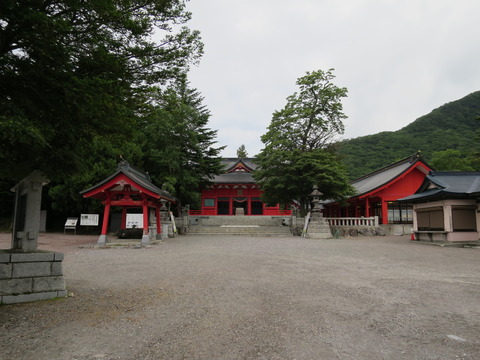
{"x": 378, "y": 179}
{"x": 236, "y": 171}
{"x": 137, "y": 177}
{"x": 447, "y": 184}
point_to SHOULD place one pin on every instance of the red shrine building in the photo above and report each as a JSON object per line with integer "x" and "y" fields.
{"x": 378, "y": 192}
{"x": 128, "y": 188}
{"x": 235, "y": 192}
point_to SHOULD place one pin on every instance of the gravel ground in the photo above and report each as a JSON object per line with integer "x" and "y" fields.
{"x": 232, "y": 297}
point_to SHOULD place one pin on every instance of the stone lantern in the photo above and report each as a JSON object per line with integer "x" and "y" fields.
{"x": 317, "y": 206}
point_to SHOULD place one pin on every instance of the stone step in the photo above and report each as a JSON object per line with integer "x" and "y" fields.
{"x": 250, "y": 230}
{"x": 238, "y": 220}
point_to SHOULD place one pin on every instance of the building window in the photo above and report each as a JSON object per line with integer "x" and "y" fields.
{"x": 399, "y": 213}
{"x": 464, "y": 219}
{"x": 208, "y": 202}
{"x": 430, "y": 219}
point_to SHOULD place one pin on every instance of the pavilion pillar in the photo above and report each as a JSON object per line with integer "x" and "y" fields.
{"x": 367, "y": 208}
{"x": 384, "y": 212}
{"x": 102, "y": 239}
{"x": 249, "y": 206}
{"x": 124, "y": 218}
{"x": 145, "y": 237}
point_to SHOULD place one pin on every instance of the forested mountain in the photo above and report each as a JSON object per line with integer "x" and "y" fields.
{"x": 451, "y": 126}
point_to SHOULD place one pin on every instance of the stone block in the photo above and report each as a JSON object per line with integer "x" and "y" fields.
{"x": 31, "y": 269}
{"x": 62, "y": 293}
{"x": 56, "y": 269}
{"x": 32, "y": 257}
{"x": 16, "y": 299}
{"x": 50, "y": 283}
{"x": 5, "y": 271}
{"x": 4, "y": 257}
{"x": 15, "y": 286}
{"x": 58, "y": 257}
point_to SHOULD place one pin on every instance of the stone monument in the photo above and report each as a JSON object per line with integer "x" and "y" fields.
{"x": 28, "y": 274}
{"x": 318, "y": 227}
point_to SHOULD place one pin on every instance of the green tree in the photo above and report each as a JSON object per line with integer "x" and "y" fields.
{"x": 242, "y": 152}
{"x": 287, "y": 176}
{"x": 298, "y": 150}
{"x": 312, "y": 116}
{"x": 71, "y": 72}
{"x": 452, "y": 160}
{"x": 178, "y": 146}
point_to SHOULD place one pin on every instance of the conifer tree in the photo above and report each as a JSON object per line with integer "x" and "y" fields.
{"x": 178, "y": 146}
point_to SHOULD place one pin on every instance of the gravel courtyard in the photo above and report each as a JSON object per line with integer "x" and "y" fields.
{"x": 206, "y": 297}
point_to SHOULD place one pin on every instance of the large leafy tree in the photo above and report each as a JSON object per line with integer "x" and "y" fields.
{"x": 312, "y": 117}
{"x": 179, "y": 149}
{"x": 75, "y": 71}
{"x": 298, "y": 150}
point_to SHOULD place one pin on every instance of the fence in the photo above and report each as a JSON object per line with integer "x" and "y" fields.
{"x": 353, "y": 221}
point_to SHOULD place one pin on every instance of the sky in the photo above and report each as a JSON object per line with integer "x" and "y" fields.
{"x": 399, "y": 60}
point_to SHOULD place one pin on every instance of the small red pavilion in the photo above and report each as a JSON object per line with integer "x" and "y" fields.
{"x": 378, "y": 192}
{"x": 235, "y": 192}
{"x": 129, "y": 187}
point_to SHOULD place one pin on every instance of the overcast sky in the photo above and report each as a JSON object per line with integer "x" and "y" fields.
{"x": 398, "y": 59}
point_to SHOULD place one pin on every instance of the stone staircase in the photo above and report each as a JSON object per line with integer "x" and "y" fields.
{"x": 239, "y": 225}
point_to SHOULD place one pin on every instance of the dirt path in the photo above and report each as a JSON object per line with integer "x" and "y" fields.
{"x": 197, "y": 297}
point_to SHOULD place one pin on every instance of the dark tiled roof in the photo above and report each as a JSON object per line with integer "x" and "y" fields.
{"x": 233, "y": 177}
{"x": 230, "y": 163}
{"x": 447, "y": 184}
{"x": 138, "y": 176}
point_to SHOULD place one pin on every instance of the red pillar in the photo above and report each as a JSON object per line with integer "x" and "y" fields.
{"x": 145, "y": 218}
{"x": 249, "y": 206}
{"x": 367, "y": 208}
{"x": 124, "y": 218}
{"x": 384, "y": 212}
{"x": 106, "y": 216}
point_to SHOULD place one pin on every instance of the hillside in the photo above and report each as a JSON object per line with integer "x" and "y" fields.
{"x": 451, "y": 126}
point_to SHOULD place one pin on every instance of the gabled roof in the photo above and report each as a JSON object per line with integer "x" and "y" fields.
{"x": 137, "y": 177}
{"x": 378, "y": 179}
{"x": 236, "y": 171}
{"x": 447, "y": 184}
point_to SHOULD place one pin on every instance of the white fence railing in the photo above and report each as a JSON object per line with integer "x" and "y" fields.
{"x": 353, "y": 221}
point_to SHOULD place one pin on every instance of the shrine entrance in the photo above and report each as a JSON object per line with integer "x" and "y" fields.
{"x": 130, "y": 188}
{"x": 240, "y": 203}
{"x": 223, "y": 206}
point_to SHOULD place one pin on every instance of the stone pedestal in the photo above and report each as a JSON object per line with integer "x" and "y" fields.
{"x": 319, "y": 229}
{"x": 26, "y": 277}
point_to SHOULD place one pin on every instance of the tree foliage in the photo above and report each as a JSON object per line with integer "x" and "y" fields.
{"x": 287, "y": 176}
{"x": 74, "y": 71}
{"x": 178, "y": 147}
{"x": 451, "y": 160}
{"x": 297, "y": 152}
{"x": 242, "y": 152}
{"x": 312, "y": 116}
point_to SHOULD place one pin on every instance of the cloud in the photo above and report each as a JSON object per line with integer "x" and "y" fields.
{"x": 399, "y": 60}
